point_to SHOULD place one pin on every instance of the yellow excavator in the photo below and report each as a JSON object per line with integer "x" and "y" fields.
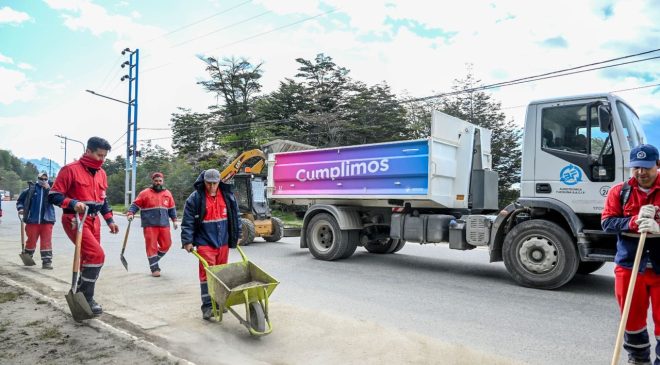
{"x": 250, "y": 191}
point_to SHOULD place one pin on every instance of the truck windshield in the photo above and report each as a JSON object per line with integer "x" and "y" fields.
{"x": 631, "y": 125}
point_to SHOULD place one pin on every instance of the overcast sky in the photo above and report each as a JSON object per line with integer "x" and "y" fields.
{"x": 52, "y": 50}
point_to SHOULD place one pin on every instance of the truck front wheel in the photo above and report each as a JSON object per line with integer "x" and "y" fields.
{"x": 326, "y": 241}
{"x": 540, "y": 254}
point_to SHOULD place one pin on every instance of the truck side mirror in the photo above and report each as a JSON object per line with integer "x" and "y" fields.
{"x": 604, "y": 119}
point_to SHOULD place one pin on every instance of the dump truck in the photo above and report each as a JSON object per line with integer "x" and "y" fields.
{"x": 442, "y": 189}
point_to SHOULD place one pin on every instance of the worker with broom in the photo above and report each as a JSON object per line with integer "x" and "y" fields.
{"x": 39, "y": 217}
{"x": 631, "y": 207}
{"x": 82, "y": 185}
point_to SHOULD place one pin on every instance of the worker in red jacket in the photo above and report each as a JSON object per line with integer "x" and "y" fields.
{"x": 640, "y": 196}
{"x": 157, "y": 205}
{"x": 81, "y": 184}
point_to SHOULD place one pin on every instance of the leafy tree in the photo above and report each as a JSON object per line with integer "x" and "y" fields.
{"x": 190, "y": 132}
{"x": 9, "y": 180}
{"x": 30, "y": 172}
{"x": 478, "y": 108}
{"x": 237, "y": 82}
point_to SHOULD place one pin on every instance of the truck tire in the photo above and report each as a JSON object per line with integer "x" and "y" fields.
{"x": 351, "y": 243}
{"x": 325, "y": 240}
{"x": 587, "y": 267}
{"x": 278, "y": 230}
{"x": 540, "y": 254}
{"x": 247, "y": 232}
{"x": 399, "y": 246}
{"x": 388, "y": 245}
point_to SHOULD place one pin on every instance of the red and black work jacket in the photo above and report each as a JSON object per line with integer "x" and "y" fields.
{"x": 77, "y": 183}
{"x": 622, "y": 220}
{"x": 156, "y": 206}
{"x": 211, "y": 221}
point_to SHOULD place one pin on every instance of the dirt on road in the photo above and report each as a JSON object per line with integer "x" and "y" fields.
{"x": 34, "y": 332}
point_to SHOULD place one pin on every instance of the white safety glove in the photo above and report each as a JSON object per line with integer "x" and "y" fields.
{"x": 647, "y": 225}
{"x": 647, "y": 211}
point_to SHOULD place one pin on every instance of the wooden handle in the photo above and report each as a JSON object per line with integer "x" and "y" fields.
{"x": 76, "y": 255}
{"x": 629, "y": 294}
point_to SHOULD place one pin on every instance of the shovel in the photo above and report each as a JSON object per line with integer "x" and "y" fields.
{"x": 123, "y": 247}
{"x": 26, "y": 257}
{"x": 629, "y": 294}
{"x": 80, "y": 309}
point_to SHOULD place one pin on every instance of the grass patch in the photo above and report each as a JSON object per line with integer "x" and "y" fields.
{"x": 34, "y": 323}
{"x": 9, "y": 297}
{"x": 289, "y": 218}
{"x": 49, "y": 333}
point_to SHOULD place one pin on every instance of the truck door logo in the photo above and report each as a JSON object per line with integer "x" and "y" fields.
{"x": 570, "y": 175}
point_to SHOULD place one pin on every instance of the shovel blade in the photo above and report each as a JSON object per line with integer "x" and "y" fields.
{"x": 80, "y": 309}
{"x": 124, "y": 262}
{"x": 27, "y": 259}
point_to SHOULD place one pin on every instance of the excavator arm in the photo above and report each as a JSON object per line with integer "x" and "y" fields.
{"x": 254, "y": 159}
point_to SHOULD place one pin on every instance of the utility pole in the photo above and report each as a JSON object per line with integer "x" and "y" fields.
{"x": 65, "y": 138}
{"x": 131, "y": 128}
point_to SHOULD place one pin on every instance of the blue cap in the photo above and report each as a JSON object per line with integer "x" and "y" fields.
{"x": 644, "y": 155}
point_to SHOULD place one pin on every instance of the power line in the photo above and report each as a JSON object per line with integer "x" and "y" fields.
{"x": 221, "y": 29}
{"x": 526, "y": 80}
{"x": 252, "y": 37}
{"x": 199, "y": 21}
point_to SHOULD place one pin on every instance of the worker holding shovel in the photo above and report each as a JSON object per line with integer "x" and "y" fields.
{"x": 80, "y": 188}
{"x": 631, "y": 207}
{"x": 157, "y": 205}
{"x": 39, "y": 217}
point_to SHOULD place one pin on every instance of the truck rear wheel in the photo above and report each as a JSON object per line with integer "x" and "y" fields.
{"x": 248, "y": 232}
{"x": 540, "y": 254}
{"x": 587, "y": 267}
{"x": 326, "y": 241}
{"x": 278, "y": 230}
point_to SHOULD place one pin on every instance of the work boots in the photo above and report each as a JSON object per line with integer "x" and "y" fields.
{"x": 207, "y": 312}
{"x": 47, "y": 266}
{"x": 96, "y": 307}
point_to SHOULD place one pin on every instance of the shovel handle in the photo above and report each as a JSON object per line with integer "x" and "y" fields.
{"x": 629, "y": 294}
{"x": 20, "y": 219}
{"x": 79, "y": 233}
{"x": 123, "y": 246}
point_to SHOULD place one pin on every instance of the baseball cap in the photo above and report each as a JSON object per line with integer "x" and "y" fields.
{"x": 645, "y": 156}
{"x": 212, "y": 175}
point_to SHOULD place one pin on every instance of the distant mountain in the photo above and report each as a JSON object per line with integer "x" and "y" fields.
{"x": 44, "y": 164}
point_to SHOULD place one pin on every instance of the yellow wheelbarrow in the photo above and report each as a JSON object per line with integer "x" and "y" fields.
{"x": 237, "y": 283}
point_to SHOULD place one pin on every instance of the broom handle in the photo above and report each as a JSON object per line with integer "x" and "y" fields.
{"x": 629, "y": 294}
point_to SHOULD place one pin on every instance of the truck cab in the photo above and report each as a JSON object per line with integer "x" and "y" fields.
{"x": 574, "y": 150}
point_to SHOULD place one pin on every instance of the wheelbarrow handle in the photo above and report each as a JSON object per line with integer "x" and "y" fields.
{"x": 201, "y": 259}
{"x": 206, "y": 264}
{"x": 240, "y": 250}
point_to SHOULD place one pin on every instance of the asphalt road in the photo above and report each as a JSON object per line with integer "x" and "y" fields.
{"x": 456, "y": 297}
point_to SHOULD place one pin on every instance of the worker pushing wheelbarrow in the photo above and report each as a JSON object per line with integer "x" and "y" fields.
{"x": 211, "y": 225}
{"x": 239, "y": 283}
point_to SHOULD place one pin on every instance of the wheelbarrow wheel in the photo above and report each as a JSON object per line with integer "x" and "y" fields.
{"x": 257, "y": 317}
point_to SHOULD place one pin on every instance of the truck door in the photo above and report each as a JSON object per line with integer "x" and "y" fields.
{"x": 575, "y": 161}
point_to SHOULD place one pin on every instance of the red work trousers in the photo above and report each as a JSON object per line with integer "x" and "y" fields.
{"x": 91, "y": 252}
{"x": 42, "y": 232}
{"x": 647, "y": 289}
{"x": 213, "y": 256}
{"x": 157, "y": 240}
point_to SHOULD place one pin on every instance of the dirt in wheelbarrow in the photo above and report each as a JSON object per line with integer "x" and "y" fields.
{"x": 34, "y": 332}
